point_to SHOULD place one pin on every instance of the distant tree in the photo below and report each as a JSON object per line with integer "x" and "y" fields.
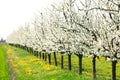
{"x": 2, "y": 40}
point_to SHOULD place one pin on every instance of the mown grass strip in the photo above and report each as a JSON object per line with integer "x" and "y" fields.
{"x": 4, "y": 73}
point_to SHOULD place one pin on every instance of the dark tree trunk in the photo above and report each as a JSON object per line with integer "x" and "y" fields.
{"x": 31, "y": 50}
{"x": 49, "y": 58}
{"x": 69, "y": 62}
{"x": 40, "y": 54}
{"x": 94, "y": 67}
{"x": 25, "y": 48}
{"x": 37, "y": 54}
{"x": 34, "y": 53}
{"x": 80, "y": 63}
{"x": 45, "y": 56}
{"x": 62, "y": 63}
{"x": 55, "y": 59}
{"x": 28, "y": 49}
{"x": 114, "y": 70}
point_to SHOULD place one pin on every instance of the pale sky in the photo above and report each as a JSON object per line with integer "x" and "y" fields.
{"x": 14, "y": 13}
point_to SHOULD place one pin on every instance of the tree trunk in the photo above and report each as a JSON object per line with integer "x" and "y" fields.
{"x": 45, "y": 56}
{"x": 55, "y": 59}
{"x": 62, "y": 59}
{"x": 69, "y": 62}
{"x": 49, "y": 58}
{"x": 30, "y": 50}
{"x": 80, "y": 63}
{"x": 94, "y": 67}
{"x": 26, "y": 48}
{"x": 40, "y": 55}
{"x": 114, "y": 70}
{"x": 37, "y": 54}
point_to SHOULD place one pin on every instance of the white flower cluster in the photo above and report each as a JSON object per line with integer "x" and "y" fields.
{"x": 92, "y": 29}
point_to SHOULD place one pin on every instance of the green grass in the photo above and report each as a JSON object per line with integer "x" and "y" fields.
{"x": 103, "y": 67}
{"x": 28, "y": 67}
{"x": 3, "y": 65}
{"x": 37, "y": 69}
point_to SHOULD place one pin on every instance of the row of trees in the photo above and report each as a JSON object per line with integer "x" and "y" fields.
{"x": 83, "y": 27}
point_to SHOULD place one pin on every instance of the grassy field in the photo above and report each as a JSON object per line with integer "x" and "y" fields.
{"x": 3, "y": 65}
{"x": 28, "y": 67}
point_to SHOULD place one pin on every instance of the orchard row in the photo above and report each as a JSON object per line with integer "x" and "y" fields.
{"x": 85, "y": 28}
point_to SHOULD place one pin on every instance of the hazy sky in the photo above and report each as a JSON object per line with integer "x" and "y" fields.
{"x": 14, "y": 13}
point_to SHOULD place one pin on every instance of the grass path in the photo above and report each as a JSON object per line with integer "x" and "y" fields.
{"x": 3, "y": 65}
